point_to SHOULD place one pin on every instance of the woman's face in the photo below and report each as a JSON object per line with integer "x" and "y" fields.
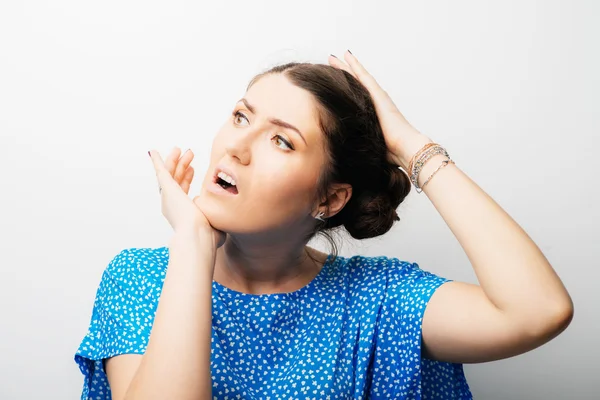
{"x": 273, "y": 147}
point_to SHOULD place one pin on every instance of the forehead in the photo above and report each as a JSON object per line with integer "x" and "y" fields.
{"x": 274, "y": 96}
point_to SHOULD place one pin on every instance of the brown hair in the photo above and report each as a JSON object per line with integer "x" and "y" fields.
{"x": 355, "y": 149}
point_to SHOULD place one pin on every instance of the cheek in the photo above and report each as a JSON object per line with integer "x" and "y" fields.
{"x": 292, "y": 192}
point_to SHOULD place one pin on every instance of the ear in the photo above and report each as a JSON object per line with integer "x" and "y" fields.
{"x": 338, "y": 195}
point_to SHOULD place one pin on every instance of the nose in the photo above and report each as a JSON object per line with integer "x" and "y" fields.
{"x": 239, "y": 146}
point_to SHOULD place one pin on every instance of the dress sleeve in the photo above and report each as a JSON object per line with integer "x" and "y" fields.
{"x": 410, "y": 288}
{"x": 122, "y": 317}
{"x": 408, "y": 291}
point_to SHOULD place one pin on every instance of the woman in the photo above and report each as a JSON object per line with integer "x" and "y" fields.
{"x": 248, "y": 311}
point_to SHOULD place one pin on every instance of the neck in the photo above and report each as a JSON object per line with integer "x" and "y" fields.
{"x": 262, "y": 266}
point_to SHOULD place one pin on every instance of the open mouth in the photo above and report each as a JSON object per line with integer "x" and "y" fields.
{"x": 226, "y": 185}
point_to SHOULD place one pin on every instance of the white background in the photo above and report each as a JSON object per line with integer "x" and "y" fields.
{"x": 510, "y": 88}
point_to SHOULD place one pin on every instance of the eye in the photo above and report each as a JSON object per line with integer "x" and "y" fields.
{"x": 238, "y": 114}
{"x": 280, "y": 139}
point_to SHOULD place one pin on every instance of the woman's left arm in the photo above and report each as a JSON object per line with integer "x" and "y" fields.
{"x": 521, "y": 302}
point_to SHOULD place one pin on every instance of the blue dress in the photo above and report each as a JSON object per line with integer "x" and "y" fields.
{"x": 354, "y": 332}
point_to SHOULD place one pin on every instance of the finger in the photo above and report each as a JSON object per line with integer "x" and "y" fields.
{"x": 182, "y": 165}
{"x": 379, "y": 95}
{"x": 162, "y": 174}
{"x": 171, "y": 161}
{"x": 164, "y": 177}
{"x": 187, "y": 180}
{"x": 337, "y": 63}
{"x": 360, "y": 71}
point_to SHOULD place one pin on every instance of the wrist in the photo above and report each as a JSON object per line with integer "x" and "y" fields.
{"x": 429, "y": 168}
{"x": 192, "y": 251}
{"x": 408, "y": 148}
{"x": 195, "y": 238}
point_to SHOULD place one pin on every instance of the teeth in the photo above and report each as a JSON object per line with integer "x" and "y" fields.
{"x": 226, "y": 178}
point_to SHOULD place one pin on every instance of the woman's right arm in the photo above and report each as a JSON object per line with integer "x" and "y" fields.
{"x": 176, "y": 364}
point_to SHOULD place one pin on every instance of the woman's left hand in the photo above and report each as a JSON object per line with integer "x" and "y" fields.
{"x": 402, "y": 139}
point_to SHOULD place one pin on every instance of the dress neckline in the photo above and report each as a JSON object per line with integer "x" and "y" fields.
{"x": 309, "y": 287}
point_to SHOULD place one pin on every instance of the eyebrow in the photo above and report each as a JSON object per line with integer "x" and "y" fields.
{"x": 274, "y": 121}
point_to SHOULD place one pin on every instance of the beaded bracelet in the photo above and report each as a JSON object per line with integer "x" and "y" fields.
{"x": 426, "y": 156}
{"x": 418, "y": 154}
{"x": 421, "y": 157}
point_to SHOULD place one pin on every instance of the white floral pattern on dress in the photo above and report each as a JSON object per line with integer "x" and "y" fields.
{"x": 354, "y": 332}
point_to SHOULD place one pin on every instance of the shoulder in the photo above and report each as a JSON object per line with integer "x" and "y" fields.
{"x": 390, "y": 272}
{"x": 134, "y": 273}
{"x": 364, "y": 273}
{"x": 360, "y": 266}
{"x": 135, "y": 262}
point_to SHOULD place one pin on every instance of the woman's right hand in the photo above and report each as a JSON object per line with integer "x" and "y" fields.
{"x": 174, "y": 179}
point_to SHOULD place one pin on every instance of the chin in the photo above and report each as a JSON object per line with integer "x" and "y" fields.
{"x": 217, "y": 216}
{"x": 235, "y": 223}
{"x": 231, "y": 219}
{"x": 223, "y": 218}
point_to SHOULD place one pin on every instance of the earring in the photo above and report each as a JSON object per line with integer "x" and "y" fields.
{"x": 319, "y": 216}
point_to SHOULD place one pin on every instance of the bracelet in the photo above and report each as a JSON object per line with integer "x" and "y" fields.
{"x": 418, "y": 153}
{"x": 421, "y": 157}
{"x": 426, "y": 156}
{"x": 444, "y": 163}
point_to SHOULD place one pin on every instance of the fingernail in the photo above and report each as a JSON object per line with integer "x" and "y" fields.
{"x": 350, "y": 52}
{"x": 332, "y": 55}
{"x": 149, "y": 153}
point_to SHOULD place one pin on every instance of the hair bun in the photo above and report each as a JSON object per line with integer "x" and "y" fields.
{"x": 373, "y": 212}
